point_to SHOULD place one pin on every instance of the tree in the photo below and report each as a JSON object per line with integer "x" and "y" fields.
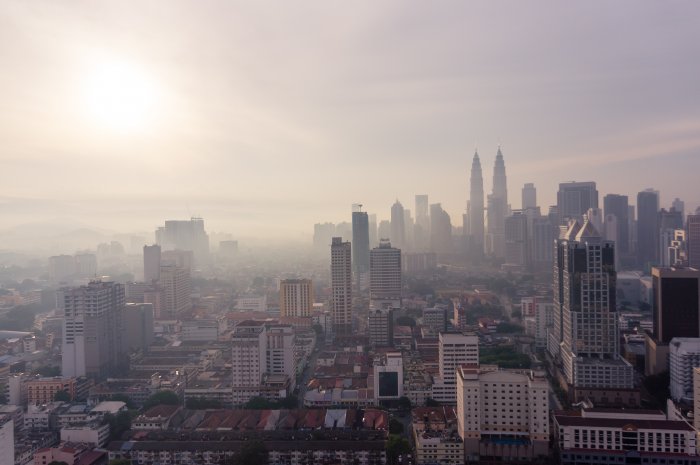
{"x": 395, "y": 426}
{"x": 430, "y": 402}
{"x": 124, "y": 398}
{"x": 404, "y": 403}
{"x": 162, "y": 398}
{"x": 120, "y": 462}
{"x": 395, "y": 446}
{"x": 62, "y": 396}
{"x": 118, "y": 424}
{"x": 253, "y": 452}
{"x": 405, "y": 321}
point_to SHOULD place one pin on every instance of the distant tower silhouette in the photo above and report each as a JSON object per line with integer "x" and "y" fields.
{"x": 497, "y": 208}
{"x": 398, "y": 225}
{"x": 476, "y": 207}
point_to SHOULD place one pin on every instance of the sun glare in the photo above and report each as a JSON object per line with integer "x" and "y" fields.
{"x": 120, "y": 96}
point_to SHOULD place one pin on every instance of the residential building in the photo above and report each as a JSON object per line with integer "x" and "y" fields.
{"x": 7, "y": 440}
{"x": 385, "y": 286}
{"x": 381, "y": 326}
{"x": 185, "y": 235}
{"x": 683, "y": 357}
{"x": 436, "y": 437}
{"x": 296, "y": 297}
{"x": 249, "y": 360}
{"x": 176, "y": 284}
{"x": 341, "y": 286}
{"x": 151, "y": 263}
{"x": 138, "y": 326}
{"x": 435, "y": 318}
{"x": 454, "y": 350}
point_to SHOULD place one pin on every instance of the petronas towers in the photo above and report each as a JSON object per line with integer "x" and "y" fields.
{"x": 489, "y": 238}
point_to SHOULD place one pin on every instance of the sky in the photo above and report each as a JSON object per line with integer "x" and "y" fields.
{"x": 267, "y": 117}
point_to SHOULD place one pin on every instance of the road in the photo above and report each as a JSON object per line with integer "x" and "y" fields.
{"x": 307, "y": 374}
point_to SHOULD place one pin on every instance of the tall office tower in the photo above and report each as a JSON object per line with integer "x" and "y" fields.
{"x": 476, "y": 208}
{"x": 373, "y": 238}
{"x": 618, "y": 206}
{"x": 440, "y": 230}
{"x": 296, "y": 297}
{"x": 422, "y": 228}
{"x": 360, "y": 246}
{"x": 632, "y": 229}
{"x": 408, "y": 225}
{"x": 151, "y": 263}
{"x": 585, "y": 312}
{"x": 381, "y": 327}
{"x": 517, "y": 241}
{"x": 249, "y": 360}
{"x": 574, "y": 199}
{"x": 384, "y": 230}
{"x": 669, "y": 222}
{"x": 323, "y": 232}
{"x": 693, "y": 239}
{"x": 676, "y": 306}
{"x": 185, "y": 235}
{"x": 385, "y": 276}
{"x": 138, "y": 326}
{"x": 529, "y": 194}
{"x": 679, "y": 206}
{"x": 454, "y": 350}
{"x": 177, "y": 291}
{"x": 398, "y": 225}
{"x": 497, "y": 209}
{"x": 595, "y": 216}
{"x": 647, "y": 227}
{"x": 93, "y": 330}
{"x": 341, "y": 286}
{"x": 541, "y": 242}
{"x": 675, "y": 311}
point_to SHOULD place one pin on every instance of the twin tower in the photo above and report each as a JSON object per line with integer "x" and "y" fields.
{"x": 482, "y": 240}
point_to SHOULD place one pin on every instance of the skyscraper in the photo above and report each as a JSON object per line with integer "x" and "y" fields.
{"x": 497, "y": 208}
{"x": 341, "y": 286}
{"x": 585, "y": 312}
{"x": 93, "y": 330}
{"x": 398, "y": 225}
{"x": 693, "y": 239}
{"x": 529, "y": 194}
{"x": 679, "y": 206}
{"x": 360, "y": 246}
{"x": 517, "y": 241}
{"x": 647, "y": 227}
{"x": 176, "y": 284}
{"x": 476, "y": 208}
{"x": 574, "y": 199}
{"x": 440, "y": 230}
{"x": 385, "y": 276}
{"x": 296, "y": 297}
{"x": 373, "y": 239}
{"x": 151, "y": 263}
{"x": 618, "y": 205}
{"x": 185, "y": 235}
{"x": 422, "y": 229}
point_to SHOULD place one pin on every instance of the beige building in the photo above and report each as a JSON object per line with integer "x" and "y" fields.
{"x": 436, "y": 437}
{"x": 176, "y": 283}
{"x": 502, "y": 414}
{"x": 296, "y": 297}
{"x": 43, "y": 390}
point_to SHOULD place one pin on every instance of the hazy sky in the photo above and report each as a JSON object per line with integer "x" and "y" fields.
{"x": 266, "y": 117}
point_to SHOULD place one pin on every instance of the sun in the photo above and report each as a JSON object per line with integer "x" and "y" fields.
{"x": 120, "y": 96}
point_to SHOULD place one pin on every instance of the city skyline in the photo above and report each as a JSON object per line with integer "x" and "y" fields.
{"x": 404, "y": 89}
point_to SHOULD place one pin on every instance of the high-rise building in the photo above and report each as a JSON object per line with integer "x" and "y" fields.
{"x": 138, "y": 326}
{"x": 93, "y": 330}
{"x": 7, "y": 440}
{"x": 475, "y": 212}
{"x": 585, "y": 312}
{"x": 323, "y": 232}
{"x": 440, "y": 230}
{"x": 249, "y": 360}
{"x": 185, "y": 235}
{"x": 61, "y": 267}
{"x": 383, "y": 231}
{"x": 151, "y": 263}
{"x": 670, "y": 221}
{"x": 497, "y": 209}
{"x": 177, "y": 291}
{"x": 86, "y": 265}
{"x": 676, "y": 306}
{"x": 542, "y": 236}
{"x": 517, "y": 245}
{"x": 373, "y": 239}
{"x": 684, "y": 355}
{"x": 497, "y": 404}
{"x": 381, "y": 327}
{"x": 647, "y": 227}
{"x": 574, "y": 199}
{"x": 360, "y": 246}
{"x": 454, "y": 350}
{"x": 296, "y": 297}
{"x": 693, "y": 239}
{"x": 529, "y": 194}
{"x": 385, "y": 276}
{"x": 422, "y": 229}
{"x": 408, "y": 227}
{"x": 679, "y": 206}
{"x": 279, "y": 350}
{"x": 398, "y": 225}
{"x": 341, "y": 286}
{"x": 618, "y": 206}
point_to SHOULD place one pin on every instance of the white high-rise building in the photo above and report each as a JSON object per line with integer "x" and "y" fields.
{"x": 7, "y": 440}
{"x": 280, "y": 351}
{"x": 385, "y": 276}
{"x": 502, "y": 414}
{"x": 93, "y": 329}
{"x": 248, "y": 361}
{"x": 683, "y": 356}
{"x": 296, "y": 297}
{"x": 455, "y": 350}
{"x": 151, "y": 263}
{"x": 341, "y": 286}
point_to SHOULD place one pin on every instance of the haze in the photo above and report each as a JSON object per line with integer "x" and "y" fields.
{"x": 267, "y": 117}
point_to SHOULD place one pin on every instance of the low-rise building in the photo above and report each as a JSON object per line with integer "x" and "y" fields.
{"x": 436, "y": 436}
